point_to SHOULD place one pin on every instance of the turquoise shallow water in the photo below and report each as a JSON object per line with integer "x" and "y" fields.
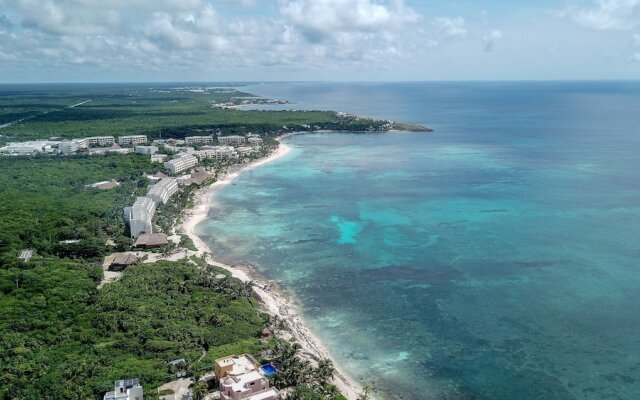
{"x": 494, "y": 259}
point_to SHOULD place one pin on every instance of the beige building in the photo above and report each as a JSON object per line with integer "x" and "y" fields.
{"x": 255, "y": 141}
{"x": 198, "y": 140}
{"x": 132, "y": 140}
{"x": 181, "y": 164}
{"x": 234, "y": 140}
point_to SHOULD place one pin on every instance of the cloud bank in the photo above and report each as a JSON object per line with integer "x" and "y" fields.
{"x": 161, "y": 35}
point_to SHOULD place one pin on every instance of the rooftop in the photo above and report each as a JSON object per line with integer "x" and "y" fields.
{"x": 151, "y": 239}
{"x": 241, "y": 364}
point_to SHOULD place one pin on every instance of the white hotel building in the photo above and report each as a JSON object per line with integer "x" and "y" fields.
{"x": 180, "y": 164}
{"x": 234, "y": 140}
{"x": 198, "y": 140}
{"x": 216, "y": 152}
{"x": 140, "y": 216}
{"x": 162, "y": 191}
{"x": 255, "y": 141}
{"x": 148, "y": 150}
{"x": 132, "y": 140}
{"x": 102, "y": 141}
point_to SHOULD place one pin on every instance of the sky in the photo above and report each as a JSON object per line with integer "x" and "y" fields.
{"x": 317, "y": 40}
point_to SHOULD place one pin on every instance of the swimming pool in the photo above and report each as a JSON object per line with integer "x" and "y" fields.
{"x": 268, "y": 369}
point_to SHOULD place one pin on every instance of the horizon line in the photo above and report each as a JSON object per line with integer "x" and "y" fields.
{"x": 246, "y": 82}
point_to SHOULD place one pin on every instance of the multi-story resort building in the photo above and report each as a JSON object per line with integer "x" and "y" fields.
{"x": 162, "y": 191}
{"x": 255, "y": 141}
{"x": 97, "y": 141}
{"x": 68, "y": 147}
{"x": 244, "y": 151}
{"x": 234, "y": 140}
{"x": 132, "y": 140}
{"x": 128, "y": 389}
{"x": 140, "y": 216}
{"x": 150, "y": 150}
{"x": 198, "y": 140}
{"x": 216, "y": 152}
{"x": 180, "y": 164}
{"x": 241, "y": 378}
{"x": 179, "y": 149}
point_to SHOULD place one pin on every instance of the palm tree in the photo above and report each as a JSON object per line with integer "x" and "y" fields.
{"x": 199, "y": 391}
{"x": 325, "y": 372}
{"x": 366, "y": 393}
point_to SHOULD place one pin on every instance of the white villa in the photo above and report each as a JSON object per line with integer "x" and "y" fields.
{"x": 129, "y": 389}
{"x": 241, "y": 379}
{"x": 140, "y": 216}
{"x": 234, "y": 140}
{"x": 180, "y": 164}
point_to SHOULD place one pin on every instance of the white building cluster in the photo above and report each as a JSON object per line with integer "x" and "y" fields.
{"x": 29, "y": 148}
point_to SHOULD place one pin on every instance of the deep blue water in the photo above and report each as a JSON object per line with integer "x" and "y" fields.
{"x": 496, "y": 258}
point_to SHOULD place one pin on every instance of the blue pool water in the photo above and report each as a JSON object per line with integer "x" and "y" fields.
{"x": 268, "y": 369}
{"x": 497, "y": 258}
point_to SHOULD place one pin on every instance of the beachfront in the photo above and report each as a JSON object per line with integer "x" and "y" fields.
{"x": 273, "y": 299}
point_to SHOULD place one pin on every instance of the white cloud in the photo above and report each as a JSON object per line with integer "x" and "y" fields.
{"x": 319, "y": 20}
{"x": 635, "y": 57}
{"x": 606, "y": 15}
{"x": 194, "y": 35}
{"x": 450, "y": 27}
{"x": 490, "y": 40}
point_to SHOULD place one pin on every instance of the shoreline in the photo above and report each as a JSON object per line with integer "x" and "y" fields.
{"x": 274, "y": 301}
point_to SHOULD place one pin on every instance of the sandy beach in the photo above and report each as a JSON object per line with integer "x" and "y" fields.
{"x": 274, "y": 301}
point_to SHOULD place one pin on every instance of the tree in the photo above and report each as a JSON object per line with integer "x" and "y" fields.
{"x": 199, "y": 390}
{"x": 366, "y": 393}
{"x": 325, "y": 371}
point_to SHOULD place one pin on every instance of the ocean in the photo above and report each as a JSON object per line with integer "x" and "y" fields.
{"x": 495, "y": 258}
